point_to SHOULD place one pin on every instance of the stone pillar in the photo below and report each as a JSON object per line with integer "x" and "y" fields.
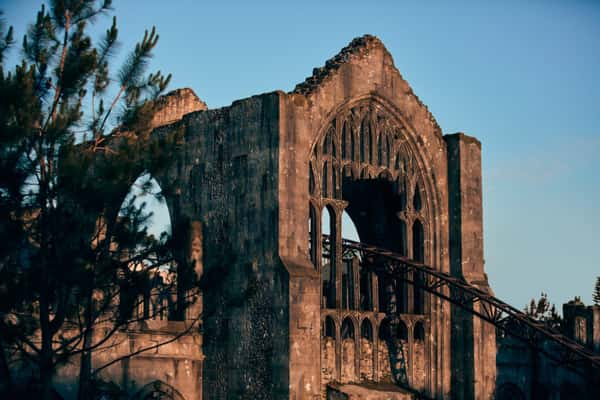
{"x": 356, "y": 283}
{"x": 473, "y": 341}
{"x": 336, "y": 249}
{"x": 374, "y": 292}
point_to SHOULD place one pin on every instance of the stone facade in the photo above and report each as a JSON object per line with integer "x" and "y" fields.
{"x": 526, "y": 374}
{"x": 283, "y": 316}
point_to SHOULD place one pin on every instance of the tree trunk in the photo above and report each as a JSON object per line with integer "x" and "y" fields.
{"x": 5, "y": 378}
{"x": 46, "y": 359}
{"x": 85, "y": 366}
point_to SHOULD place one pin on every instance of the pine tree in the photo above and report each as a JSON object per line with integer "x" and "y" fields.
{"x": 67, "y": 150}
{"x": 596, "y": 294}
{"x": 544, "y": 311}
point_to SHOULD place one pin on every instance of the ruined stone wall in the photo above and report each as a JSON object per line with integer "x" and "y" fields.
{"x": 226, "y": 178}
{"x": 473, "y": 340}
{"x": 363, "y": 72}
{"x": 366, "y": 360}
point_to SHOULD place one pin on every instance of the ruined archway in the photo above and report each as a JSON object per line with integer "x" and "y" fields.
{"x": 368, "y": 167}
{"x": 158, "y": 390}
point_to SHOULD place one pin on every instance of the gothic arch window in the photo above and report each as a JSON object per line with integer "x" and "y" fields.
{"x": 380, "y": 156}
{"x": 402, "y": 242}
{"x": 419, "y": 256}
{"x": 417, "y": 204}
{"x": 347, "y": 331}
{"x": 418, "y": 241}
{"x": 312, "y": 234}
{"x": 345, "y": 142}
{"x": 366, "y": 329}
{"x": 364, "y": 127}
{"x": 328, "y": 268}
{"x": 157, "y": 298}
{"x": 325, "y": 179}
{"x": 387, "y": 150}
{"x": 158, "y": 390}
{"x": 402, "y": 331}
{"x": 329, "y": 142}
{"x": 329, "y": 328}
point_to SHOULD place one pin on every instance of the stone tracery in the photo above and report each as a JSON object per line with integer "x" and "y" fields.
{"x": 364, "y": 151}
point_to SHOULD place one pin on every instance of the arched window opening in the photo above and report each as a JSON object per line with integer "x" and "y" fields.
{"x": 144, "y": 210}
{"x": 366, "y": 330}
{"x": 402, "y": 245}
{"x": 347, "y": 329}
{"x": 402, "y": 331}
{"x": 334, "y": 181}
{"x": 328, "y": 272}
{"x": 387, "y": 151}
{"x": 312, "y": 234}
{"x": 418, "y": 242}
{"x": 350, "y": 265}
{"x": 158, "y": 390}
{"x": 402, "y": 198}
{"x": 325, "y": 181}
{"x": 345, "y": 144}
{"x": 419, "y": 256}
{"x": 329, "y": 328}
{"x": 364, "y": 127}
{"x": 329, "y": 143}
{"x": 371, "y": 148}
{"x": 417, "y": 205}
{"x": 352, "y": 134}
{"x": 366, "y": 290}
{"x": 419, "y": 331}
{"x": 349, "y": 230}
{"x": 380, "y": 144}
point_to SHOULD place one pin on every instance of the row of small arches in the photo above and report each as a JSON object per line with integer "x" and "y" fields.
{"x": 347, "y": 329}
{"x": 366, "y": 142}
{"x": 349, "y": 231}
{"x": 331, "y": 179}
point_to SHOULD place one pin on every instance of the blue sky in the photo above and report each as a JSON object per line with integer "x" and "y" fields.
{"x": 522, "y": 78}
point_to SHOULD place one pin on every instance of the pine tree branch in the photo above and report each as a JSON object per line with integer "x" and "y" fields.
{"x": 61, "y": 68}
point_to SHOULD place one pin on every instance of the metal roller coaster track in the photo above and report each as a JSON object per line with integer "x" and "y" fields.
{"x": 514, "y": 322}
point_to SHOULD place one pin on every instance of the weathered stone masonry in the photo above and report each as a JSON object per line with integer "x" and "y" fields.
{"x": 283, "y": 316}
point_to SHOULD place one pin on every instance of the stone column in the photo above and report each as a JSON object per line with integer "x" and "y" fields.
{"x": 374, "y": 292}
{"x": 356, "y": 283}
{"x": 473, "y": 340}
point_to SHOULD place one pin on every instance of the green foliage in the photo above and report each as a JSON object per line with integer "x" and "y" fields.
{"x": 542, "y": 310}
{"x": 64, "y": 171}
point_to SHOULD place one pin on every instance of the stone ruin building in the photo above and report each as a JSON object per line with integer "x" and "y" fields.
{"x": 286, "y": 314}
{"x": 525, "y": 374}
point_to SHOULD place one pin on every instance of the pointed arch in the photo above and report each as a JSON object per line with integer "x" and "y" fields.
{"x": 417, "y": 203}
{"x": 158, "y": 390}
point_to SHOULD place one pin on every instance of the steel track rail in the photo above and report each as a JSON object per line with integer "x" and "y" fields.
{"x": 509, "y": 319}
